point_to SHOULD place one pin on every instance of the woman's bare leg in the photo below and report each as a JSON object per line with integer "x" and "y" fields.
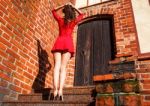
{"x": 57, "y": 59}
{"x": 65, "y": 58}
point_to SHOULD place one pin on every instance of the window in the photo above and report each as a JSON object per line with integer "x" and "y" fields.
{"x": 84, "y": 3}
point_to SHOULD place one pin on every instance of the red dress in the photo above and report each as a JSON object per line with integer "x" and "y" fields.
{"x": 64, "y": 42}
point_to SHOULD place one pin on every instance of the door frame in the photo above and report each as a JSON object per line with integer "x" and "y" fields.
{"x": 100, "y": 17}
{"x": 103, "y": 16}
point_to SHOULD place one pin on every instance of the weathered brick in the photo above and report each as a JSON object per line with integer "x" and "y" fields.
{"x": 3, "y": 3}
{"x": 19, "y": 70}
{"x": 9, "y": 64}
{"x": 28, "y": 75}
{"x": 2, "y": 46}
{"x": 12, "y": 53}
{"x": 130, "y": 100}
{"x": 16, "y": 82}
{"x": 6, "y": 36}
{"x": 13, "y": 94}
{"x": 24, "y": 55}
{"x": 8, "y": 31}
{"x": 145, "y": 76}
{"x": 146, "y": 86}
{"x": 14, "y": 48}
{"x": 5, "y": 76}
{"x": 3, "y": 83}
{"x": 105, "y": 101}
{"x": 15, "y": 88}
{"x": 5, "y": 68}
{"x": 11, "y": 11}
{"x": 24, "y": 91}
{"x": 16, "y": 43}
{"x": 25, "y": 86}
{"x": 18, "y": 76}
{"x": 1, "y": 13}
{"x": 20, "y": 65}
{"x": 3, "y": 54}
{"x": 4, "y": 91}
{"x": 2, "y": 21}
{"x": 4, "y": 41}
{"x": 145, "y": 81}
{"x": 3, "y": 9}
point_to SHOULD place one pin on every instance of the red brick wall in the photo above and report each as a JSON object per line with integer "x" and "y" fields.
{"x": 143, "y": 69}
{"x": 27, "y": 33}
{"x": 123, "y": 24}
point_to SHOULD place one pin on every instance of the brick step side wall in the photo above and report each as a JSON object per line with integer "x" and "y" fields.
{"x": 118, "y": 92}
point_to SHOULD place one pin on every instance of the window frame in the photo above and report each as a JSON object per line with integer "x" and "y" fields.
{"x": 91, "y": 4}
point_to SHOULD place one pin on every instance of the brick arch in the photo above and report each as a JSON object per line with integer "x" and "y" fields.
{"x": 101, "y": 10}
{"x": 123, "y": 24}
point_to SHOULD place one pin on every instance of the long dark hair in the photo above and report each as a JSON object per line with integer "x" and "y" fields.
{"x": 69, "y": 12}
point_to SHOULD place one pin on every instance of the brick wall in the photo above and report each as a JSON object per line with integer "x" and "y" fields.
{"x": 143, "y": 69}
{"x": 123, "y": 24}
{"x": 27, "y": 33}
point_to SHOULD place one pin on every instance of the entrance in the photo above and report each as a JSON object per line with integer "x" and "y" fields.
{"x": 95, "y": 48}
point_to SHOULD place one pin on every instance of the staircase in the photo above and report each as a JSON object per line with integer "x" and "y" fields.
{"x": 76, "y": 96}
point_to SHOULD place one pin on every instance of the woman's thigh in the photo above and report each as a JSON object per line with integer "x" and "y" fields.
{"x": 65, "y": 58}
{"x": 57, "y": 58}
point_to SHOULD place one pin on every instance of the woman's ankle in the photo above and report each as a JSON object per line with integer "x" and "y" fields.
{"x": 55, "y": 92}
{"x": 60, "y": 92}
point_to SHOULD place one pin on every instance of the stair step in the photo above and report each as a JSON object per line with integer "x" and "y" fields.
{"x": 48, "y": 103}
{"x": 75, "y": 93}
{"x": 76, "y": 96}
{"x": 67, "y": 97}
{"x": 70, "y": 90}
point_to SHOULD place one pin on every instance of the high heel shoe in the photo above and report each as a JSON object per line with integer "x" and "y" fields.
{"x": 61, "y": 98}
{"x": 56, "y": 97}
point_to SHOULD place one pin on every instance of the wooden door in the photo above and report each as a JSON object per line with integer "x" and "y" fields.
{"x": 95, "y": 48}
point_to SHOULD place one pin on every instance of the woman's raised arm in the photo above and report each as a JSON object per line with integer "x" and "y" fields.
{"x": 78, "y": 11}
{"x": 59, "y": 7}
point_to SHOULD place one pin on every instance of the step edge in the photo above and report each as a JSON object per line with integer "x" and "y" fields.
{"x": 60, "y": 102}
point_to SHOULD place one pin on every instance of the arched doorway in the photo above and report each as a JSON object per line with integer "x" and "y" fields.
{"x": 95, "y": 48}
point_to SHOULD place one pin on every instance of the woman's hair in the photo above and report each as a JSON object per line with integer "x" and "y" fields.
{"x": 69, "y": 12}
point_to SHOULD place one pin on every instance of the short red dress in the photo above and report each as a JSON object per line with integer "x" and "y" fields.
{"x": 64, "y": 42}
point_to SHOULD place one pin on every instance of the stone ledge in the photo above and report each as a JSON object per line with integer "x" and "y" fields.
{"x": 144, "y": 57}
{"x": 115, "y": 76}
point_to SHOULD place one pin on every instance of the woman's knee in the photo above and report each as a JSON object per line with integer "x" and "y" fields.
{"x": 63, "y": 68}
{"x": 64, "y": 61}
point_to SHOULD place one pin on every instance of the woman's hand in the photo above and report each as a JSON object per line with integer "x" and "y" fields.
{"x": 59, "y": 7}
{"x": 69, "y": 3}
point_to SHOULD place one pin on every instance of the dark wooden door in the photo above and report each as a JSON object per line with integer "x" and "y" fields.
{"x": 94, "y": 50}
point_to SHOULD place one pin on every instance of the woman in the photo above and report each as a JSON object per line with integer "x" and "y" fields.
{"x": 63, "y": 48}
